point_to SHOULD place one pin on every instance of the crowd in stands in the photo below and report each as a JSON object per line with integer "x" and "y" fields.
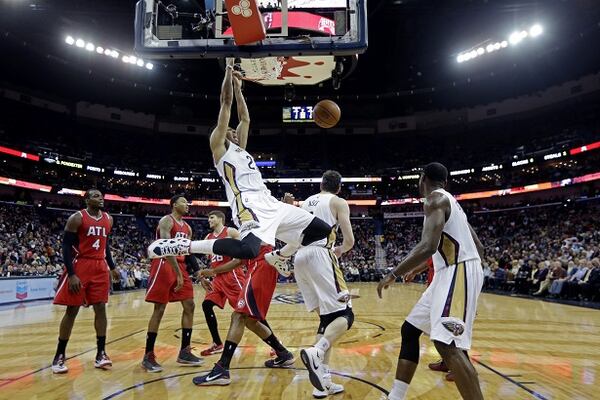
{"x": 545, "y": 250}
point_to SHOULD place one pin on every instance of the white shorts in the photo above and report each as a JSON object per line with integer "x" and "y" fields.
{"x": 446, "y": 310}
{"x": 275, "y": 219}
{"x": 320, "y": 279}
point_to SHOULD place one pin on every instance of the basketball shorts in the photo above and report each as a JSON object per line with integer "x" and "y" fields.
{"x": 320, "y": 279}
{"x": 226, "y": 287}
{"x": 274, "y": 219}
{"x": 446, "y": 310}
{"x": 255, "y": 299}
{"x": 162, "y": 282}
{"x": 94, "y": 275}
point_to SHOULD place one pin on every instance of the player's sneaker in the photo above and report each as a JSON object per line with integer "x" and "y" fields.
{"x": 59, "y": 366}
{"x": 282, "y": 264}
{"x": 439, "y": 366}
{"x": 313, "y": 360}
{"x": 103, "y": 362}
{"x": 213, "y": 349}
{"x": 219, "y": 376}
{"x": 334, "y": 388}
{"x": 149, "y": 363}
{"x": 187, "y": 359}
{"x": 330, "y": 387}
{"x": 169, "y": 247}
{"x": 283, "y": 360}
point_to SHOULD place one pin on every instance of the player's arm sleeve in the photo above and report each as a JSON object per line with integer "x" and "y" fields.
{"x": 69, "y": 240}
{"x": 109, "y": 259}
{"x": 192, "y": 264}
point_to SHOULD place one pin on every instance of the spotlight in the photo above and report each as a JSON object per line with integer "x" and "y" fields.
{"x": 473, "y": 53}
{"x": 132, "y": 59}
{"x": 504, "y": 44}
{"x": 80, "y": 43}
{"x": 490, "y": 48}
{"x": 90, "y": 47}
{"x": 125, "y": 59}
{"x": 459, "y": 58}
{"x": 150, "y": 66}
{"x": 524, "y": 34}
{"x": 107, "y": 52}
{"x": 69, "y": 40}
{"x": 536, "y": 30}
{"x": 515, "y": 38}
{"x": 99, "y": 50}
{"x": 480, "y": 51}
{"x": 497, "y": 46}
{"x": 114, "y": 54}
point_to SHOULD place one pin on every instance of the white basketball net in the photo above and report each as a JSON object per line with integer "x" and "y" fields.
{"x": 258, "y": 69}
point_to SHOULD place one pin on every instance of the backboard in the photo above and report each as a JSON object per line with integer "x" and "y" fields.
{"x": 191, "y": 29}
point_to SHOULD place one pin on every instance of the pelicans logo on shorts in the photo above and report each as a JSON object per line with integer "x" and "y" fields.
{"x": 241, "y": 303}
{"x": 456, "y": 328}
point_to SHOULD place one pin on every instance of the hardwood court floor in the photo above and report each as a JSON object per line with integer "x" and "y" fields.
{"x": 524, "y": 349}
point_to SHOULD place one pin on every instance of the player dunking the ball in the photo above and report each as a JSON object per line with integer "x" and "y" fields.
{"x": 447, "y": 308}
{"x": 260, "y": 217}
{"x": 86, "y": 279}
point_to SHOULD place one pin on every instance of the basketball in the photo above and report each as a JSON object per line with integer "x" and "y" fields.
{"x": 327, "y": 114}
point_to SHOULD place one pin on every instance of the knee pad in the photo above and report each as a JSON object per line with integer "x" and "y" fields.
{"x": 316, "y": 230}
{"x": 409, "y": 350}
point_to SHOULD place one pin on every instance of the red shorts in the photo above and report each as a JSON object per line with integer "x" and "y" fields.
{"x": 162, "y": 282}
{"x": 94, "y": 275}
{"x": 226, "y": 287}
{"x": 258, "y": 290}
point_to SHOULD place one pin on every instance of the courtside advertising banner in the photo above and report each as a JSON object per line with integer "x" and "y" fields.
{"x": 16, "y": 289}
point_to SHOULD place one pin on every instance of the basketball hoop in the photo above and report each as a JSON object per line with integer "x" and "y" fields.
{"x": 259, "y": 69}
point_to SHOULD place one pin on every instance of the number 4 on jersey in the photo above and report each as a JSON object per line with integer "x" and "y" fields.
{"x": 96, "y": 244}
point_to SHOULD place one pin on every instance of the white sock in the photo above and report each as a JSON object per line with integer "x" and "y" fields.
{"x": 202, "y": 246}
{"x": 289, "y": 250}
{"x": 398, "y": 390}
{"x": 323, "y": 344}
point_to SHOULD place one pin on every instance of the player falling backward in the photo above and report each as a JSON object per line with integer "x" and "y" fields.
{"x": 86, "y": 279}
{"x": 322, "y": 283}
{"x": 446, "y": 310}
{"x": 261, "y": 217}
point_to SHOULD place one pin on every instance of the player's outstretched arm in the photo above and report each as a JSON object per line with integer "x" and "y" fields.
{"x": 229, "y": 266}
{"x": 242, "y": 111}
{"x": 219, "y": 134}
{"x": 435, "y": 209}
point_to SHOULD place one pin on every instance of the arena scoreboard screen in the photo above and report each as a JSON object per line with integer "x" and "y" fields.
{"x": 298, "y": 114}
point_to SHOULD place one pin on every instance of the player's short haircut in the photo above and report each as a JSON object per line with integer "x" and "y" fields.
{"x": 88, "y": 193}
{"x": 175, "y": 198}
{"x": 218, "y": 214}
{"x": 436, "y": 172}
{"x": 332, "y": 180}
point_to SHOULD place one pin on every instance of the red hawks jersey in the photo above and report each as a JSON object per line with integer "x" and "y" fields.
{"x": 217, "y": 260}
{"x": 179, "y": 230}
{"x": 93, "y": 234}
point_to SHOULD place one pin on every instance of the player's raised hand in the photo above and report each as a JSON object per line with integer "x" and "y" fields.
{"x": 74, "y": 284}
{"x": 384, "y": 284}
{"x": 229, "y": 62}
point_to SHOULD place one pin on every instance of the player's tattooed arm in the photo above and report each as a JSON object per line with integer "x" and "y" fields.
{"x": 242, "y": 110}
{"x": 219, "y": 134}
